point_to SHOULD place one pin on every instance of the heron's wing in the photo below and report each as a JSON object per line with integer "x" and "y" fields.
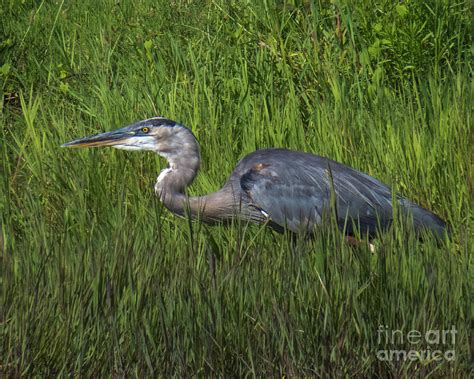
{"x": 296, "y": 192}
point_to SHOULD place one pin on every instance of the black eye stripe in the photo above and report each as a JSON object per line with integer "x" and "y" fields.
{"x": 161, "y": 122}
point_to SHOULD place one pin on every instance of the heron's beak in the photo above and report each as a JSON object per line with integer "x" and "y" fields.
{"x": 115, "y": 137}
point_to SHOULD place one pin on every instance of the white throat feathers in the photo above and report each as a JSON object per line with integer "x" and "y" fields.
{"x": 160, "y": 179}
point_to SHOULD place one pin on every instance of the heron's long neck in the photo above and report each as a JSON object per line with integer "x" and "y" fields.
{"x": 172, "y": 182}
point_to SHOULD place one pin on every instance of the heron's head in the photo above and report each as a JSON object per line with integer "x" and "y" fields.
{"x": 158, "y": 134}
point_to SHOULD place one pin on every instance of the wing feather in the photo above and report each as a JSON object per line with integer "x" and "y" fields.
{"x": 294, "y": 189}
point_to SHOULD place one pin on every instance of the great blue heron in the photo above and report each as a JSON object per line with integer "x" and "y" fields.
{"x": 283, "y": 188}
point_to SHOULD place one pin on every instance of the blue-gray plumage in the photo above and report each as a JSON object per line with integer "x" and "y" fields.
{"x": 284, "y": 188}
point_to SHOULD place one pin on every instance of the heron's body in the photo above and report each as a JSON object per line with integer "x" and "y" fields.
{"x": 284, "y": 188}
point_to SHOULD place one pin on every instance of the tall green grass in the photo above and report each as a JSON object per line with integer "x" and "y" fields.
{"x": 97, "y": 279}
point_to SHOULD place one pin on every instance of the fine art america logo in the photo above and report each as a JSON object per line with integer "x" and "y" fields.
{"x": 433, "y": 344}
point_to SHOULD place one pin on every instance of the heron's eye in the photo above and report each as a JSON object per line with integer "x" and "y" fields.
{"x": 145, "y": 130}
